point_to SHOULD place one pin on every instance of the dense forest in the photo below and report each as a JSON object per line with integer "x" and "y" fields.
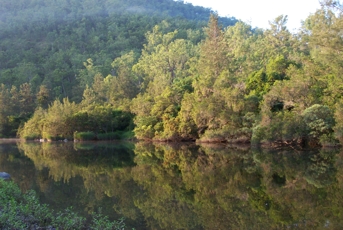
{"x": 168, "y": 71}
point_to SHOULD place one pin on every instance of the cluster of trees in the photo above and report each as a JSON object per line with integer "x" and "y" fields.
{"x": 218, "y": 84}
{"x": 47, "y": 42}
{"x": 46, "y": 46}
{"x": 244, "y": 85}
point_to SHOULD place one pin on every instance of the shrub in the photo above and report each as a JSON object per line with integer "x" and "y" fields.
{"x": 31, "y": 137}
{"x": 282, "y": 126}
{"x": 319, "y": 120}
{"x": 84, "y": 136}
{"x": 258, "y": 134}
{"x": 220, "y": 135}
{"x": 145, "y": 127}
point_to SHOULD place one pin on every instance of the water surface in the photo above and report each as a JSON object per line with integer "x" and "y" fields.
{"x": 184, "y": 186}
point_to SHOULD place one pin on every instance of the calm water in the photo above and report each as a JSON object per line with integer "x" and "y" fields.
{"x": 184, "y": 186}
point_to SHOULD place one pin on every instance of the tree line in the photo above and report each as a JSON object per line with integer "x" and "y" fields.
{"x": 216, "y": 83}
{"x": 50, "y": 48}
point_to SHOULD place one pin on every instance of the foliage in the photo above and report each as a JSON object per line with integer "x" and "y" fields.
{"x": 84, "y": 136}
{"x": 339, "y": 121}
{"x": 319, "y": 121}
{"x": 168, "y": 78}
{"x": 285, "y": 126}
{"x": 33, "y": 128}
{"x": 65, "y": 120}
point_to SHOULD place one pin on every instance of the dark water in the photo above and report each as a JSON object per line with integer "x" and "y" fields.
{"x": 184, "y": 186}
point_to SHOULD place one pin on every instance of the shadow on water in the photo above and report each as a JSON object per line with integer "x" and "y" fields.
{"x": 184, "y": 186}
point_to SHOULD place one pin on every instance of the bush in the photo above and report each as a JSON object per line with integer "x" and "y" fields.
{"x": 84, "y": 136}
{"x": 214, "y": 136}
{"x": 328, "y": 140}
{"x": 32, "y": 137}
{"x": 258, "y": 134}
{"x": 283, "y": 126}
{"x": 319, "y": 120}
{"x": 145, "y": 127}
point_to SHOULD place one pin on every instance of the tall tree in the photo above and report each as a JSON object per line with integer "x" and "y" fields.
{"x": 322, "y": 32}
{"x": 164, "y": 68}
{"x": 213, "y": 57}
{"x": 27, "y": 101}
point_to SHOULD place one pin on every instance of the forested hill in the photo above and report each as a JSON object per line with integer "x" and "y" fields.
{"x": 135, "y": 66}
{"x": 46, "y": 42}
{"x": 24, "y": 13}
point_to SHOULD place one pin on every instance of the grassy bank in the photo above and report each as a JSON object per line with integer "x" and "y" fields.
{"x": 23, "y": 211}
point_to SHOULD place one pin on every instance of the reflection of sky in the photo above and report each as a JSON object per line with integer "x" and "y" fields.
{"x": 259, "y": 12}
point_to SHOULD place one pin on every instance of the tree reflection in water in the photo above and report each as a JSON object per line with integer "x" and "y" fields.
{"x": 188, "y": 186}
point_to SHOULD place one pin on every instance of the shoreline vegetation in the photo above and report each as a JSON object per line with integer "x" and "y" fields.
{"x": 23, "y": 211}
{"x": 184, "y": 81}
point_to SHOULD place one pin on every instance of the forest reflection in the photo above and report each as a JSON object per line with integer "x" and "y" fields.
{"x": 185, "y": 186}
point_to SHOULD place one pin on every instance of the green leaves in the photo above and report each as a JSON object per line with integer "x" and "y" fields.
{"x": 319, "y": 120}
{"x": 184, "y": 83}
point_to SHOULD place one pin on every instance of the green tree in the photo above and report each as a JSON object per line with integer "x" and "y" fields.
{"x": 164, "y": 66}
{"x": 260, "y": 82}
{"x": 215, "y": 109}
{"x": 322, "y": 35}
{"x": 319, "y": 121}
{"x": 244, "y": 46}
{"x": 5, "y": 111}
{"x": 43, "y": 96}
{"x": 278, "y": 40}
{"x": 33, "y": 128}
{"x": 124, "y": 84}
{"x": 27, "y": 100}
{"x": 55, "y": 123}
{"x": 213, "y": 60}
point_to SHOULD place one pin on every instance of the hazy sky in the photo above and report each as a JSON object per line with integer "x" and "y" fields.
{"x": 259, "y": 12}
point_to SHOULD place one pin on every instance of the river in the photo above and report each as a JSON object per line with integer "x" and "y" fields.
{"x": 184, "y": 186}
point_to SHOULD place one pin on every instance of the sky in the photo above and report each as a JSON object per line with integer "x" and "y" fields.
{"x": 257, "y": 13}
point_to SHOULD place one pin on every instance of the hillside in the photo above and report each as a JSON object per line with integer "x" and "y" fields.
{"x": 46, "y": 42}
{"x": 103, "y": 75}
